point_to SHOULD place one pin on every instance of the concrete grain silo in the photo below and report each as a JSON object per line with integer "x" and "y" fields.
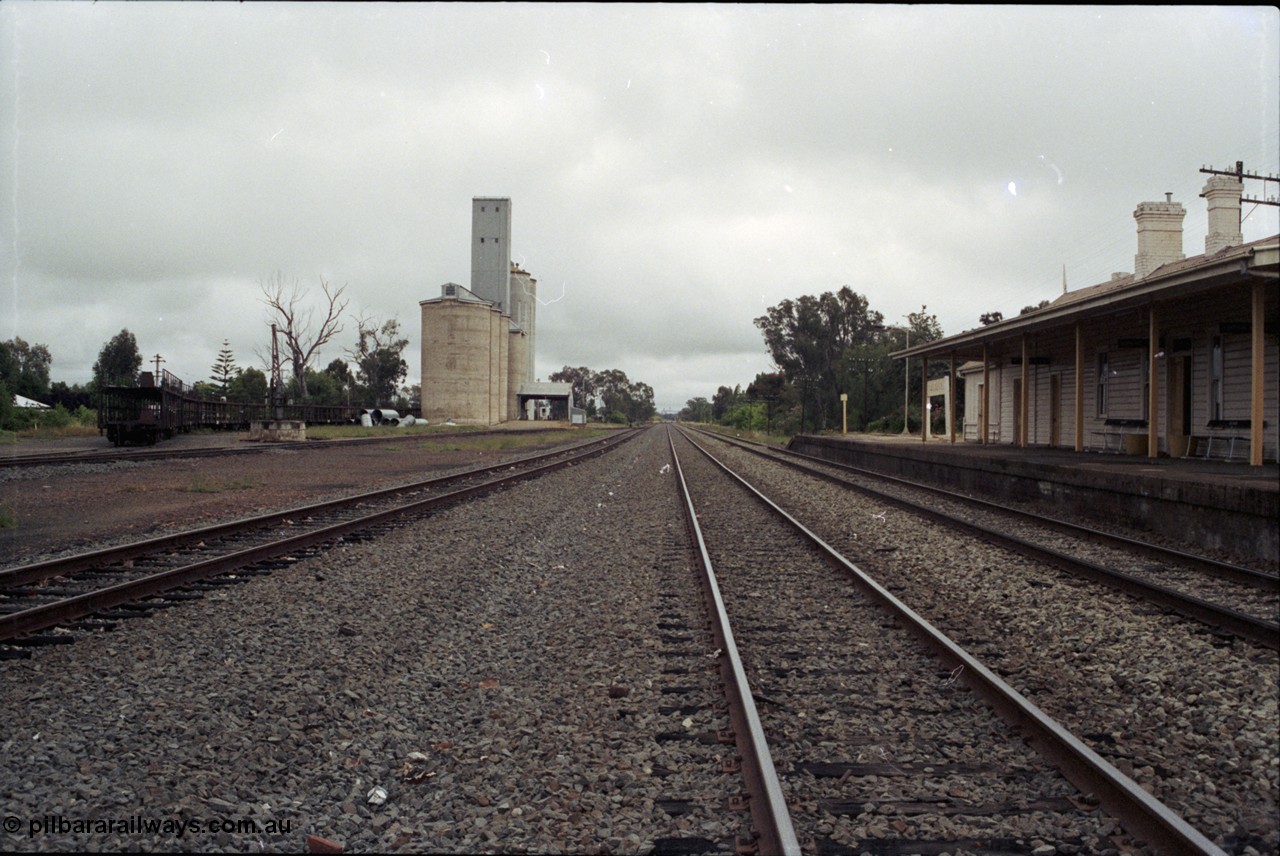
{"x": 459, "y": 379}
{"x": 478, "y": 343}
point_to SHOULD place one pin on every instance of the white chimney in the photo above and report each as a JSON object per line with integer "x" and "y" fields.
{"x": 1159, "y": 234}
{"x": 1222, "y": 195}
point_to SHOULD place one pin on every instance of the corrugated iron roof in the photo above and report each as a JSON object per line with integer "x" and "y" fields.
{"x": 1167, "y": 277}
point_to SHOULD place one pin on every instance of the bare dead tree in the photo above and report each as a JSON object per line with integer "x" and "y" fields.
{"x": 294, "y": 318}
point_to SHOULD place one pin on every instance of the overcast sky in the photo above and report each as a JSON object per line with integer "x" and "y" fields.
{"x": 674, "y": 169}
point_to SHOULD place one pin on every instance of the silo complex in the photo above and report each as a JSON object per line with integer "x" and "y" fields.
{"x": 478, "y": 342}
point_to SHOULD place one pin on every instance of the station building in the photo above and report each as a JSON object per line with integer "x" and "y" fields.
{"x": 1178, "y": 358}
{"x": 478, "y": 343}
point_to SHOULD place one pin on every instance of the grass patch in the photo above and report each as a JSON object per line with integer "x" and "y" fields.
{"x": 524, "y": 440}
{"x": 7, "y": 520}
{"x": 200, "y": 485}
{"x": 60, "y": 433}
{"x": 756, "y": 436}
{"x": 452, "y": 438}
{"x": 348, "y": 432}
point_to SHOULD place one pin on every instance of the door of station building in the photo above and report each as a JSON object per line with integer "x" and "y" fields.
{"x": 1178, "y": 416}
{"x": 1055, "y": 410}
{"x": 1017, "y": 412}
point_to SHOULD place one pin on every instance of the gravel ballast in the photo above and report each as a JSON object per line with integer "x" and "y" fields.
{"x": 1189, "y": 715}
{"x": 531, "y": 672}
{"x": 496, "y": 669}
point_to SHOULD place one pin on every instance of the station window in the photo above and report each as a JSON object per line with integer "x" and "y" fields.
{"x": 1104, "y": 381}
{"x": 1215, "y": 379}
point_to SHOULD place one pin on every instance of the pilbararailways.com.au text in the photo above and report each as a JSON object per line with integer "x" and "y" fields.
{"x": 56, "y": 824}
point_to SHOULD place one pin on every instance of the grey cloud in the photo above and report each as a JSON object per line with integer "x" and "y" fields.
{"x": 675, "y": 169}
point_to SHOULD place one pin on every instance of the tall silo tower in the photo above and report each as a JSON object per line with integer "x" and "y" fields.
{"x": 491, "y": 250}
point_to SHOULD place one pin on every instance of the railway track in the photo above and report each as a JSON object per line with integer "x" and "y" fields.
{"x": 877, "y": 744}
{"x": 132, "y": 578}
{"x": 16, "y": 460}
{"x": 872, "y": 714}
{"x": 1234, "y": 599}
{"x": 1186, "y": 710}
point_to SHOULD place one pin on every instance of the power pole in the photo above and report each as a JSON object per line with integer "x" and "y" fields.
{"x": 1240, "y": 175}
{"x": 906, "y": 387}
{"x": 277, "y": 380}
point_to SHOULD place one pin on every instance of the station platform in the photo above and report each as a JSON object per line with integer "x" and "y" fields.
{"x": 1209, "y": 505}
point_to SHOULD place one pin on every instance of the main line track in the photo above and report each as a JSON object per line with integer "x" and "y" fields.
{"x": 770, "y": 578}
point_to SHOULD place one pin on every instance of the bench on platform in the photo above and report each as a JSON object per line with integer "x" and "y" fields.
{"x": 1118, "y": 429}
{"x": 1220, "y": 439}
{"x": 973, "y": 432}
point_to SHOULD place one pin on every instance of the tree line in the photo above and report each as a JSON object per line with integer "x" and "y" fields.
{"x": 370, "y": 375}
{"x": 609, "y": 395}
{"x": 823, "y": 347}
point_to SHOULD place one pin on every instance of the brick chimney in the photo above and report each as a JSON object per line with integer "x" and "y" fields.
{"x": 1159, "y": 234}
{"x": 1222, "y": 195}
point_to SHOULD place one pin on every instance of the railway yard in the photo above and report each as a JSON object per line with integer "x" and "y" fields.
{"x": 454, "y": 663}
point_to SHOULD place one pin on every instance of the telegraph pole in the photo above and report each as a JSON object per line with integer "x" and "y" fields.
{"x": 1240, "y": 175}
{"x": 277, "y": 380}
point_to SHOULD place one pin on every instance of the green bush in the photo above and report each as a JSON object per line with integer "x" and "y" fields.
{"x": 747, "y": 417}
{"x": 56, "y": 419}
{"x": 892, "y": 424}
{"x": 6, "y": 407}
{"x": 616, "y": 418}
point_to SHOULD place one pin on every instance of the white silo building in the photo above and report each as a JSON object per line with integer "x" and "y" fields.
{"x": 478, "y": 342}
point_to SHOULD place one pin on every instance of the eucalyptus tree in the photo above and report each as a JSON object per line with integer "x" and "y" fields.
{"x": 808, "y": 339}
{"x": 118, "y": 362}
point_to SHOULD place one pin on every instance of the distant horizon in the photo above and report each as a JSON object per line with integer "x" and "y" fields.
{"x": 675, "y": 170}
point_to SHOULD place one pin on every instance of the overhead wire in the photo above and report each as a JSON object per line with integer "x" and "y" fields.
{"x": 1107, "y": 245}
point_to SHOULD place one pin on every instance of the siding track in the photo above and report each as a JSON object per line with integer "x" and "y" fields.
{"x": 1238, "y": 600}
{"x": 143, "y": 575}
{"x": 17, "y": 460}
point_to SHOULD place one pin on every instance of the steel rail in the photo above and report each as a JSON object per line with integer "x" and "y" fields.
{"x": 1266, "y": 633}
{"x": 769, "y": 815}
{"x": 37, "y": 618}
{"x": 107, "y": 456}
{"x": 1226, "y": 570}
{"x": 35, "y": 572}
{"x": 1144, "y": 816}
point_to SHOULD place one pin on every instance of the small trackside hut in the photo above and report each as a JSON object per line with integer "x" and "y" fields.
{"x": 1177, "y": 359}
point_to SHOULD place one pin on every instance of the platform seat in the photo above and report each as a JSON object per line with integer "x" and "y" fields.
{"x": 1222, "y": 439}
{"x": 1116, "y": 430}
